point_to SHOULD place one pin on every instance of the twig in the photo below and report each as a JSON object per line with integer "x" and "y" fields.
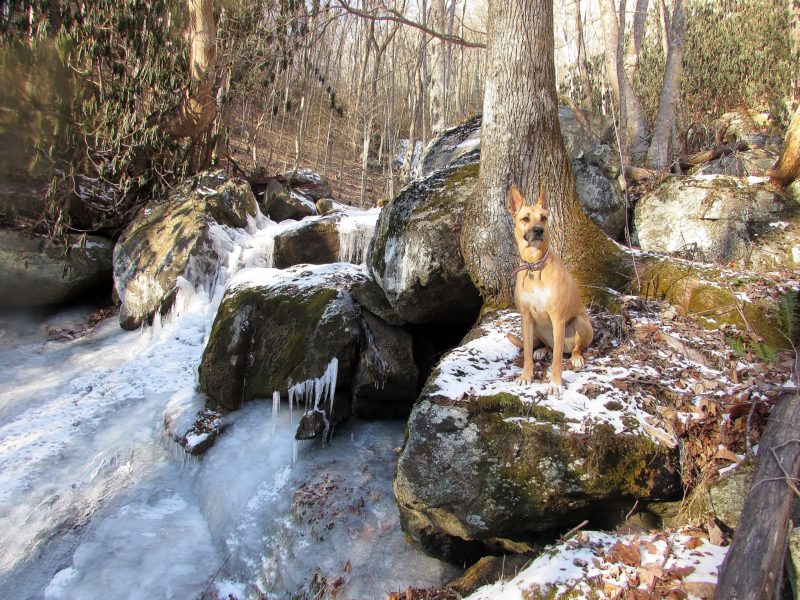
{"x": 210, "y": 583}
{"x": 573, "y": 531}
{"x": 394, "y": 16}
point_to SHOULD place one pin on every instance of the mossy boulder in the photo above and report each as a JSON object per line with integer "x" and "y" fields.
{"x": 39, "y": 272}
{"x": 715, "y": 296}
{"x": 300, "y": 333}
{"x": 487, "y": 459}
{"x": 415, "y": 255}
{"x": 275, "y": 329}
{"x": 712, "y": 218}
{"x": 180, "y": 238}
{"x": 579, "y": 130}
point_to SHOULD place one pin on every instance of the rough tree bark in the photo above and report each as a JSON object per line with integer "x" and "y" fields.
{"x": 522, "y": 145}
{"x": 753, "y": 567}
{"x": 635, "y": 47}
{"x": 794, "y": 18}
{"x": 658, "y": 156}
{"x": 787, "y": 169}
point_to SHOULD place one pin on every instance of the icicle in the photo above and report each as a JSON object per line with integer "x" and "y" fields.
{"x": 276, "y": 404}
{"x": 355, "y": 234}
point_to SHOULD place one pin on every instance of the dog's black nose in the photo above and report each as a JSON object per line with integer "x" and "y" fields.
{"x": 535, "y": 233}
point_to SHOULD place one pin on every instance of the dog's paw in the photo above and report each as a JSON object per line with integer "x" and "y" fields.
{"x": 577, "y": 361}
{"x": 540, "y": 353}
{"x": 524, "y": 379}
{"x": 555, "y": 389}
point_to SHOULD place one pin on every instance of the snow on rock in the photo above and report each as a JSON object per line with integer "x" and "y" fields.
{"x": 415, "y": 255}
{"x": 709, "y": 217}
{"x": 601, "y": 565}
{"x": 489, "y": 458}
{"x": 187, "y": 236}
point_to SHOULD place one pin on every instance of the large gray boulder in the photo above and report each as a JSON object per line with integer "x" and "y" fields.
{"x": 712, "y": 218}
{"x": 579, "y": 130}
{"x": 601, "y": 198}
{"x": 750, "y": 163}
{"x": 307, "y": 182}
{"x": 274, "y": 329}
{"x": 175, "y": 239}
{"x": 299, "y": 332}
{"x": 487, "y": 460}
{"x": 38, "y": 272}
{"x": 415, "y": 256}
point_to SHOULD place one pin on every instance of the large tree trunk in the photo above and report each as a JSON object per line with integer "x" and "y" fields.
{"x": 198, "y": 109}
{"x": 794, "y": 37}
{"x": 521, "y": 144}
{"x": 787, "y": 169}
{"x": 658, "y": 157}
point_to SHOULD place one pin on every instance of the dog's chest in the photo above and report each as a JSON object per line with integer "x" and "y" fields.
{"x": 536, "y": 298}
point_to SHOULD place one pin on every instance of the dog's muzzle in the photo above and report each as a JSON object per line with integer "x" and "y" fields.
{"x": 534, "y": 234}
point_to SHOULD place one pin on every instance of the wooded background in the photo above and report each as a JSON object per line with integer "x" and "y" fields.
{"x": 107, "y": 103}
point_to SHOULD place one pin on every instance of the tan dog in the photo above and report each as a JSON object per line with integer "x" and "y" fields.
{"x": 547, "y": 297}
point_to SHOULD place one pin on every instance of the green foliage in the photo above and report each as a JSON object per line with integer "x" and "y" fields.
{"x": 81, "y": 91}
{"x": 789, "y": 312}
{"x": 88, "y": 86}
{"x": 737, "y": 55}
{"x": 761, "y": 350}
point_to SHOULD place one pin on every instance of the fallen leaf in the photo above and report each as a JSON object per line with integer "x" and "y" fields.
{"x": 694, "y": 543}
{"x": 715, "y": 535}
{"x": 701, "y": 589}
{"x": 648, "y": 575}
{"x": 725, "y": 454}
{"x": 651, "y": 547}
{"x": 625, "y": 553}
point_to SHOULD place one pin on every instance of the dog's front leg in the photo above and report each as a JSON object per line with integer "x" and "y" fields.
{"x": 528, "y": 335}
{"x": 559, "y": 325}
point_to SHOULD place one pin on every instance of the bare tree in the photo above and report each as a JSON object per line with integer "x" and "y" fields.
{"x": 198, "y": 109}
{"x": 635, "y": 134}
{"x": 437, "y": 53}
{"x": 658, "y": 156}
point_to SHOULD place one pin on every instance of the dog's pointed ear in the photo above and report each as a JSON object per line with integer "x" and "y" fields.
{"x": 515, "y": 200}
{"x": 540, "y": 201}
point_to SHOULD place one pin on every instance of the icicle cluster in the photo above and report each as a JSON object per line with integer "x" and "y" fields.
{"x": 314, "y": 393}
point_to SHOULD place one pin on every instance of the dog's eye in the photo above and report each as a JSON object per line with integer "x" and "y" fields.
{"x": 525, "y": 219}
{"x": 544, "y": 219}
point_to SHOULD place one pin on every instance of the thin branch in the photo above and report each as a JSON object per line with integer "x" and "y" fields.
{"x": 388, "y": 14}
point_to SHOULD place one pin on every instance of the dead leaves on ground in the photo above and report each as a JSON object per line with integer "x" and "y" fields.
{"x": 691, "y": 380}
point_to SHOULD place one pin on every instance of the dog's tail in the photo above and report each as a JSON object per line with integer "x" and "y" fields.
{"x": 514, "y": 340}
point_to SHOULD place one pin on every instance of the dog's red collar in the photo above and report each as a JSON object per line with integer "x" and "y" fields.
{"x": 536, "y": 266}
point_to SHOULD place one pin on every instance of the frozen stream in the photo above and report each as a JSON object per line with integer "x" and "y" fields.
{"x": 97, "y": 501}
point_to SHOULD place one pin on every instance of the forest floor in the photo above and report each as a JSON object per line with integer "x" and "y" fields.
{"x": 335, "y": 155}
